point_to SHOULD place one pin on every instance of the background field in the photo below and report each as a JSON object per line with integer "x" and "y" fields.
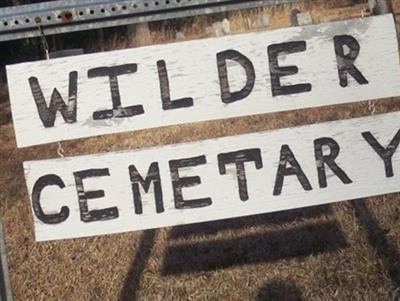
{"x": 346, "y": 251}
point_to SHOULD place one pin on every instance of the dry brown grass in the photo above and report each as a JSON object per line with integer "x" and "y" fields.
{"x": 346, "y": 251}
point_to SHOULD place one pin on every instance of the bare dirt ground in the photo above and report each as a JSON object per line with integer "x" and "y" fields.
{"x": 345, "y": 251}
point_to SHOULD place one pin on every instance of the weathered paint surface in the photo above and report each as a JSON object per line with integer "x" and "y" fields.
{"x": 178, "y": 83}
{"x": 215, "y": 179}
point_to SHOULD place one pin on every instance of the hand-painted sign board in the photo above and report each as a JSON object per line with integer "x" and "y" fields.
{"x": 215, "y": 179}
{"x": 207, "y": 79}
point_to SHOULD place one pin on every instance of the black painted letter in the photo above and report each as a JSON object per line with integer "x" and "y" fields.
{"x": 345, "y": 62}
{"x": 329, "y": 160}
{"x": 385, "y": 153}
{"x": 239, "y": 158}
{"x": 117, "y": 111}
{"x": 153, "y": 175}
{"x": 179, "y": 183}
{"x": 226, "y": 95}
{"x": 167, "y": 103}
{"x": 48, "y": 114}
{"x": 277, "y": 71}
{"x": 286, "y": 157}
{"x": 93, "y": 215}
{"x": 40, "y": 184}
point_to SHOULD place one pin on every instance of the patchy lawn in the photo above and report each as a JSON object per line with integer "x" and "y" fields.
{"x": 346, "y": 251}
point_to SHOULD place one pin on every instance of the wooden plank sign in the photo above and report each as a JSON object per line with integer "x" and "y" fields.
{"x": 207, "y": 79}
{"x": 215, "y": 179}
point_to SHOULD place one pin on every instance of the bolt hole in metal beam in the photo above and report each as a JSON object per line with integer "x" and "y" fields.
{"x": 63, "y": 16}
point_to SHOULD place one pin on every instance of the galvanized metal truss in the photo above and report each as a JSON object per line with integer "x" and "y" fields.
{"x": 64, "y": 16}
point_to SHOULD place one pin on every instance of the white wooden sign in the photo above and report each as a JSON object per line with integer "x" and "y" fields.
{"x": 208, "y": 79}
{"x": 215, "y": 179}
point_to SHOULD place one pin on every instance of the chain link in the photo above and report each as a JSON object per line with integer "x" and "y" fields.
{"x": 43, "y": 41}
{"x": 60, "y": 151}
{"x": 371, "y": 107}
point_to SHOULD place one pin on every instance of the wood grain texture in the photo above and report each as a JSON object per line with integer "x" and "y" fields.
{"x": 193, "y": 77}
{"x": 218, "y": 187}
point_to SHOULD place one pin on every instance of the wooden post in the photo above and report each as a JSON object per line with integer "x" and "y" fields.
{"x": 379, "y": 7}
{"x": 293, "y": 17}
{"x": 100, "y": 35}
{"x": 139, "y": 34}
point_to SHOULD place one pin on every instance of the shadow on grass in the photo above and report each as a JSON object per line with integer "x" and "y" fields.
{"x": 266, "y": 247}
{"x": 270, "y": 246}
{"x": 5, "y": 112}
{"x": 279, "y": 290}
{"x": 132, "y": 282}
{"x": 377, "y": 238}
{"x": 276, "y": 218}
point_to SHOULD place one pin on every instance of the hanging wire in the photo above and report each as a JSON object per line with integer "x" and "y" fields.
{"x": 60, "y": 151}
{"x": 371, "y": 103}
{"x": 45, "y": 46}
{"x": 43, "y": 41}
{"x": 371, "y": 107}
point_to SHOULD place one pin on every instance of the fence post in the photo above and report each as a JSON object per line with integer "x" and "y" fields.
{"x": 5, "y": 287}
{"x": 379, "y": 7}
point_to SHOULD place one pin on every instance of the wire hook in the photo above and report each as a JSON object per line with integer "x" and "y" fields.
{"x": 60, "y": 151}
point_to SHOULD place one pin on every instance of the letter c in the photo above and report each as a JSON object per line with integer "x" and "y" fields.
{"x": 40, "y": 184}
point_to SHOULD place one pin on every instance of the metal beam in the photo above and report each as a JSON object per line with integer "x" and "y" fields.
{"x": 64, "y": 16}
{"x": 5, "y": 287}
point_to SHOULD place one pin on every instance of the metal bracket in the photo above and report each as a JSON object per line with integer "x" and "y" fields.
{"x": 64, "y": 16}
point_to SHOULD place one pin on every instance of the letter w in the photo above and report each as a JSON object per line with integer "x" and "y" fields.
{"x": 48, "y": 114}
